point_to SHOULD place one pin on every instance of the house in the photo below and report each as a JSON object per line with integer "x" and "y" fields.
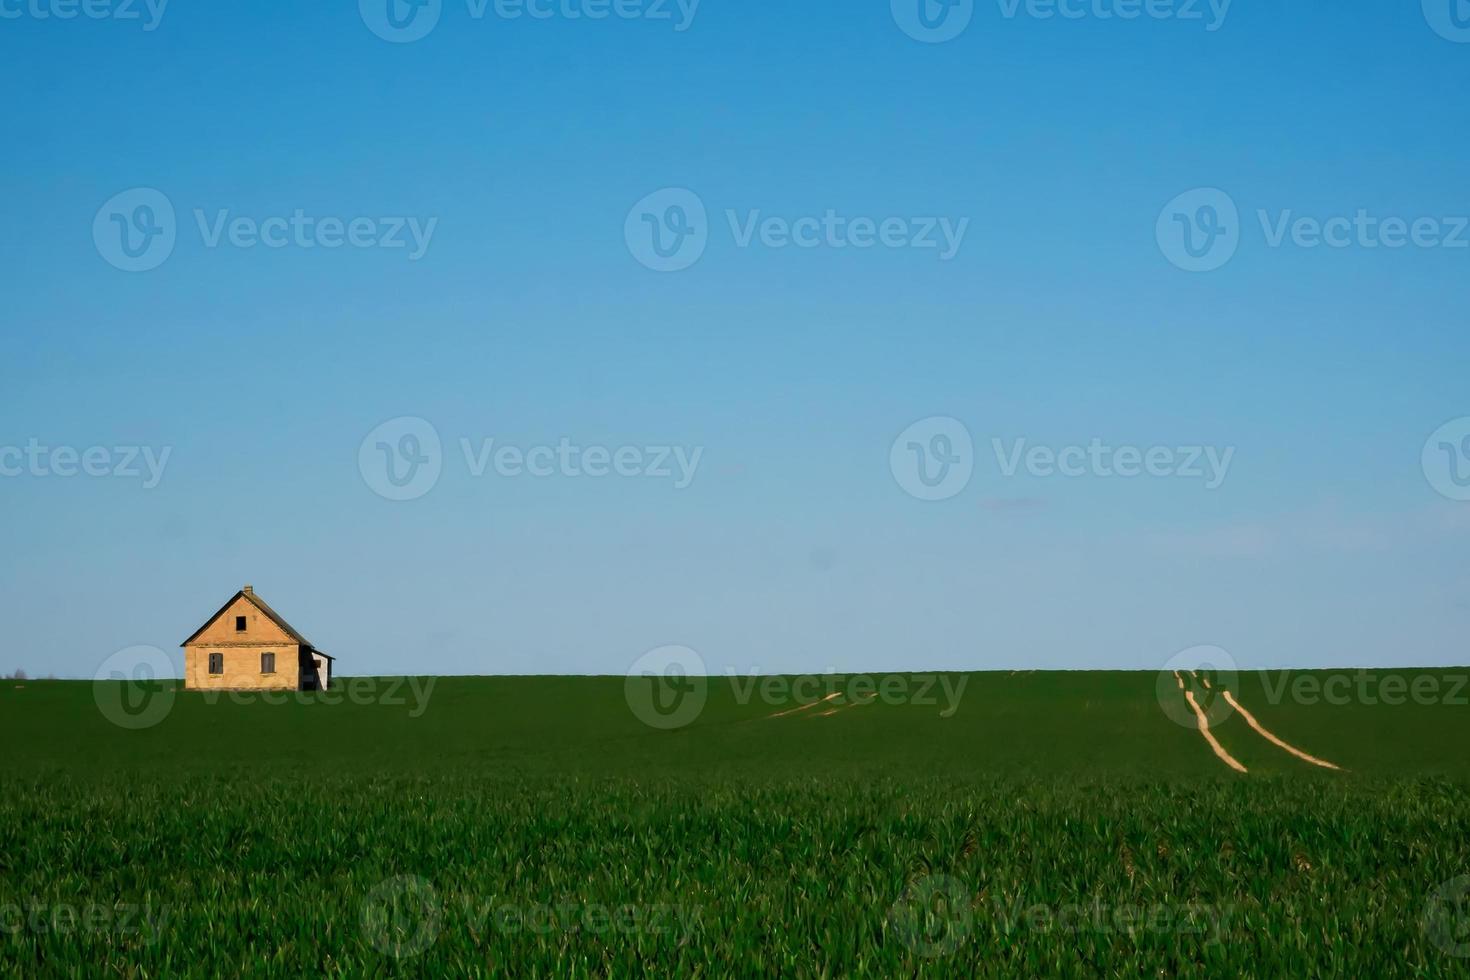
{"x": 248, "y": 646}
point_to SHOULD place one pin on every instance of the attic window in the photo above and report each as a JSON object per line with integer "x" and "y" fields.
{"x": 239, "y": 624}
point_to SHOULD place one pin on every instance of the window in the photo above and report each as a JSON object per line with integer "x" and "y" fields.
{"x": 267, "y": 663}
{"x": 239, "y": 624}
{"x": 216, "y": 663}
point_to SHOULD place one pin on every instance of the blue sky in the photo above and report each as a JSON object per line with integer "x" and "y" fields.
{"x": 531, "y": 319}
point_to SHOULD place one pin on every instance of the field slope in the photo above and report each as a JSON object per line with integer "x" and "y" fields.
{"x": 1049, "y": 823}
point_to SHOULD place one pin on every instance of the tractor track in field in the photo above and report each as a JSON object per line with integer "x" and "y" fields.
{"x": 1280, "y": 743}
{"x": 803, "y": 707}
{"x": 1204, "y": 729}
{"x": 839, "y": 709}
{"x": 1250, "y": 719}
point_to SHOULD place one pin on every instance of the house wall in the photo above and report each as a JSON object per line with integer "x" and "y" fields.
{"x": 323, "y": 671}
{"x": 242, "y": 652}
{"x": 258, "y": 626}
{"x": 242, "y": 667}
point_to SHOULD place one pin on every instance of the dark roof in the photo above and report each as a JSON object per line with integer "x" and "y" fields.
{"x": 249, "y": 594}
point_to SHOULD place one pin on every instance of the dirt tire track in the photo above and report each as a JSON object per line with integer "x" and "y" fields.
{"x": 804, "y": 707}
{"x": 1261, "y": 730}
{"x": 1204, "y": 729}
{"x": 841, "y": 708}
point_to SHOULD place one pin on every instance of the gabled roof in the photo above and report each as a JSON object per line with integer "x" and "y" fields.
{"x": 249, "y": 595}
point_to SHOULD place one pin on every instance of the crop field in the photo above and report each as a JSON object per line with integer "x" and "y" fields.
{"x": 993, "y": 824}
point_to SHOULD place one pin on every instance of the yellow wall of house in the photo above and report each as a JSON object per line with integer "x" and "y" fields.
{"x": 242, "y": 667}
{"x": 242, "y": 652}
{"x": 259, "y": 627}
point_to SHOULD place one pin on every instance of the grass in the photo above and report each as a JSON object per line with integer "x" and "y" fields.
{"x": 1055, "y": 823}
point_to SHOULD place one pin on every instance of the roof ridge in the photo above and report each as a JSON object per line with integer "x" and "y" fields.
{"x": 249, "y": 595}
{"x": 275, "y": 617}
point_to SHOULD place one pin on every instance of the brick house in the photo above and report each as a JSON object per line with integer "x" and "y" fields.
{"x": 248, "y": 646}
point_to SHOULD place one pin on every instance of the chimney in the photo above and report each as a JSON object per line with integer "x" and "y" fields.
{"x": 248, "y": 590}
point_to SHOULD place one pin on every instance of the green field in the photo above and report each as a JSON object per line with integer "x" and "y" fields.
{"x": 1051, "y": 824}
